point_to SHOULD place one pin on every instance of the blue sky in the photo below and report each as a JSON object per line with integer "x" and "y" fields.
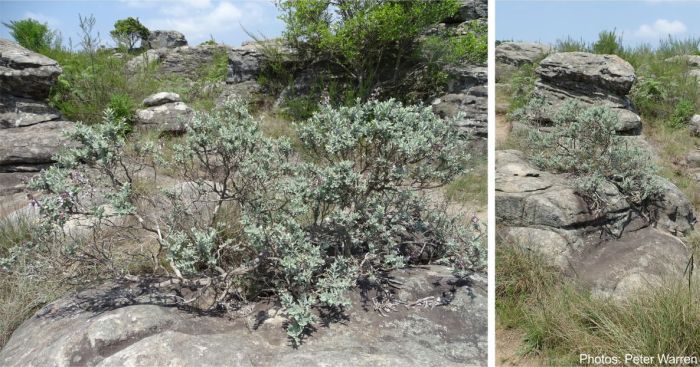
{"x": 197, "y": 19}
{"x": 640, "y": 21}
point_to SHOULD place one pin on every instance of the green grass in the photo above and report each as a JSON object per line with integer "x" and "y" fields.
{"x": 471, "y": 187}
{"x": 93, "y": 81}
{"x": 560, "y": 319}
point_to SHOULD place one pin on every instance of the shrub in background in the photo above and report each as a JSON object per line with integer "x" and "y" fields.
{"x": 571, "y": 45}
{"x": 33, "y": 35}
{"x": 122, "y": 106}
{"x": 608, "y": 43}
{"x": 363, "y": 40}
{"x": 682, "y": 113}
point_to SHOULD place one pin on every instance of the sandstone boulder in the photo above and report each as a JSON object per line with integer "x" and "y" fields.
{"x": 614, "y": 249}
{"x": 587, "y": 73}
{"x": 166, "y": 39}
{"x": 20, "y": 112}
{"x": 128, "y": 324}
{"x": 693, "y": 159}
{"x": 470, "y": 10}
{"x": 243, "y": 64}
{"x": 591, "y": 80}
{"x": 31, "y": 148}
{"x": 694, "y": 125}
{"x": 142, "y": 61}
{"x": 639, "y": 260}
{"x": 463, "y": 77}
{"x": 520, "y": 53}
{"x": 31, "y": 131}
{"x": 166, "y": 113}
{"x": 161, "y": 98}
{"x": 24, "y": 73}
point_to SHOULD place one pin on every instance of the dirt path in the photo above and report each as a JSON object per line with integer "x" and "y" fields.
{"x": 508, "y": 353}
{"x": 502, "y": 130}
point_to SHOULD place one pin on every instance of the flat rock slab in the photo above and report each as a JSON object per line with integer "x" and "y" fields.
{"x": 638, "y": 260}
{"x": 32, "y": 145}
{"x": 19, "y": 112}
{"x": 123, "y": 325}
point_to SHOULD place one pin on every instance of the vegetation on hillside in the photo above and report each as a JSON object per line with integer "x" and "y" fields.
{"x": 34, "y": 35}
{"x": 364, "y": 49}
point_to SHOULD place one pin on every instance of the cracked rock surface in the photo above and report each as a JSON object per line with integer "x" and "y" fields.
{"x": 615, "y": 250}
{"x": 434, "y": 319}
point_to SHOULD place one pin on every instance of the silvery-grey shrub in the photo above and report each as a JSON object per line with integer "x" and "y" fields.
{"x": 253, "y": 218}
{"x": 583, "y": 142}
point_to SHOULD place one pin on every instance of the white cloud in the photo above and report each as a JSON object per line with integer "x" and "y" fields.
{"x": 198, "y": 18}
{"x": 660, "y": 28}
{"x": 51, "y": 21}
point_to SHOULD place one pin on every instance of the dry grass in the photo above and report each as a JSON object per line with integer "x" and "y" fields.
{"x": 20, "y": 295}
{"x": 560, "y": 319}
{"x": 472, "y": 187}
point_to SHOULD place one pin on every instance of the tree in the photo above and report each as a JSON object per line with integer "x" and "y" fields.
{"x": 32, "y": 34}
{"x": 129, "y": 31}
{"x": 364, "y": 39}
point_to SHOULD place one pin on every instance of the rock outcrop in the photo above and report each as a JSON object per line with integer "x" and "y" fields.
{"x": 166, "y": 39}
{"x": 466, "y": 94}
{"x": 438, "y": 321}
{"x": 184, "y": 61}
{"x": 520, "y": 53}
{"x": 694, "y": 125}
{"x": 471, "y": 105}
{"x": 31, "y": 130}
{"x": 164, "y": 112}
{"x": 24, "y": 73}
{"x": 541, "y": 211}
{"x": 591, "y": 80}
{"x": 470, "y": 10}
{"x": 244, "y": 64}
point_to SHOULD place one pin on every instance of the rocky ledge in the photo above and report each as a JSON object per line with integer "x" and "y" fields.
{"x": 615, "y": 250}
{"x": 31, "y": 130}
{"x": 434, "y": 319}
